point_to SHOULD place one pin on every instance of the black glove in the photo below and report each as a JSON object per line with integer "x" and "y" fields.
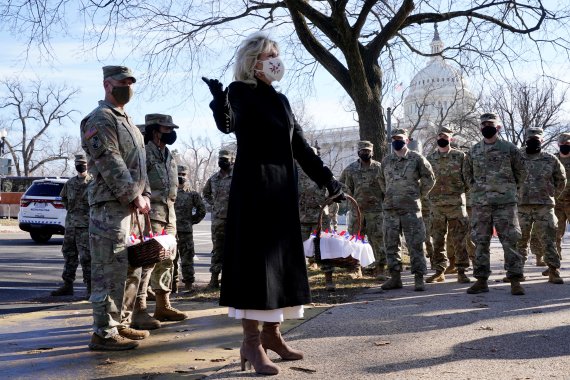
{"x": 216, "y": 88}
{"x": 334, "y": 188}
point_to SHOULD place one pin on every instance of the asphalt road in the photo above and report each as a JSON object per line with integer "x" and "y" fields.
{"x": 30, "y": 271}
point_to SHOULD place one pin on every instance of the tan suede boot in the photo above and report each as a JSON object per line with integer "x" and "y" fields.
{"x": 132, "y": 334}
{"x": 252, "y": 352}
{"x": 395, "y": 281}
{"x": 462, "y": 277}
{"x": 540, "y": 262}
{"x": 516, "y": 288}
{"x": 437, "y": 277}
{"x": 451, "y": 269}
{"x": 141, "y": 319}
{"x": 114, "y": 343}
{"x": 554, "y": 276}
{"x": 271, "y": 339}
{"x": 480, "y": 286}
{"x": 163, "y": 310}
{"x": 329, "y": 283}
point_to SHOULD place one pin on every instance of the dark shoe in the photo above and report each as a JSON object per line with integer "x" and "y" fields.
{"x": 395, "y": 281}
{"x": 329, "y": 283}
{"x": 64, "y": 290}
{"x": 540, "y": 262}
{"x": 521, "y": 279}
{"x": 516, "y": 288}
{"x": 214, "y": 281}
{"x": 480, "y": 286}
{"x": 419, "y": 285}
{"x": 554, "y": 276}
{"x": 462, "y": 277}
{"x": 141, "y": 318}
{"x": 437, "y": 277}
{"x": 546, "y": 272}
{"x": 164, "y": 311}
{"x": 132, "y": 334}
{"x": 271, "y": 339}
{"x": 114, "y": 343}
{"x": 252, "y": 352}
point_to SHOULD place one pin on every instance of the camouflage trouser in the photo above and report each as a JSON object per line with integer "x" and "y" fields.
{"x": 539, "y": 219}
{"x": 451, "y": 221}
{"x": 536, "y": 245}
{"x": 75, "y": 248}
{"x": 186, "y": 254}
{"x": 426, "y": 215}
{"x": 306, "y": 230}
{"x": 470, "y": 246}
{"x": 411, "y": 224}
{"x": 562, "y": 212}
{"x": 372, "y": 228}
{"x": 218, "y": 239}
{"x": 504, "y": 219}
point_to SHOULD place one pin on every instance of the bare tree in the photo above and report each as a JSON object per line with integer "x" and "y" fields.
{"x": 360, "y": 43}
{"x": 31, "y": 112}
{"x": 200, "y": 156}
{"x": 522, "y": 105}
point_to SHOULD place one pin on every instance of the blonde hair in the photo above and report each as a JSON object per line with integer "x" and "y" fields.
{"x": 246, "y": 56}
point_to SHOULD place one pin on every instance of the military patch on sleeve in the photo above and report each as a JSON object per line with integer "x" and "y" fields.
{"x": 95, "y": 142}
{"x": 90, "y": 133}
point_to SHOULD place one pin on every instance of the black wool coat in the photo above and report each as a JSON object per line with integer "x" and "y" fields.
{"x": 264, "y": 264}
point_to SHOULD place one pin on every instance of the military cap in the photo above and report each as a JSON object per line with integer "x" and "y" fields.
{"x": 564, "y": 137}
{"x": 365, "y": 144}
{"x": 118, "y": 73}
{"x": 443, "y": 130}
{"x": 402, "y": 132}
{"x": 225, "y": 153}
{"x": 80, "y": 159}
{"x": 490, "y": 117}
{"x": 532, "y": 132}
{"x": 159, "y": 119}
{"x": 182, "y": 170}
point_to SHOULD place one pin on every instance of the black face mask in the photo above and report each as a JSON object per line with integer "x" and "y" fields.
{"x": 398, "y": 144}
{"x": 442, "y": 143}
{"x": 533, "y": 146}
{"x": 365, "y": 157}
{"x": 122, "y": 94}
{"x": 224, "y": 165}
{"x": 81, "y": 168}
{"x": 564, "y": 149}
{"x": 168, "y": 138}
{"x": 488, "y": 131}
{"x": 181, "y": 180}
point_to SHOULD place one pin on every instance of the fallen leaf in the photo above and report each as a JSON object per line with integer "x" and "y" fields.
{"x": 382, "y": 343}
{"x": 200, "y": 360}
{"x": 488, "y": 328}
{"x": 217, "y": 360}
{"x": 306, "y": 370}
{"x": 107, "y": 362}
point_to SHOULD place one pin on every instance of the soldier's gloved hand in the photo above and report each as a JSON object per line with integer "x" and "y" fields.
{"x": 334, "y": 188}
{"x": 216, "y": 88}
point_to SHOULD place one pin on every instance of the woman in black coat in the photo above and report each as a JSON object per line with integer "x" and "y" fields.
{"x": 264, "y": 275}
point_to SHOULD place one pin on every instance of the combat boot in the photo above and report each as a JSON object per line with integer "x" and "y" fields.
{"x": 516, "y": 288}
{"x": 188, "y": 287}
{"x": 114, "y": 343}
{"x": 329, "y": 284}
{"x": 437, "y": 277}
{"x": 554, "y": 276}
{"x": 381, "y": 273}
{"x": 214, "y": 280}
{"x": 462, "y": 277}
{"x": 64, "y": 290}
{"x": 141, "y": 319}
{"x": 150, "y": 296}
{"x": 174, "y": 287}
{"x": 451, "y": 269}
{"x": 419, "y": 285}
{"x": 480, "y": 286}
{"x": 132, "y": 334}
{"x": 540, "y": 262}
{"x": 521, "y": 279}
{"x": 395, "y": 281}
{"x": 546, "y": 272}
{"x": 164, "y": 311}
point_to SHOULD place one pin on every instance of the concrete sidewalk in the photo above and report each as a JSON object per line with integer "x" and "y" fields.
{"x": 442, "y": 333}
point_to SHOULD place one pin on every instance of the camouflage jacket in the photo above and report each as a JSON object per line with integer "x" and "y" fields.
{"x": 564, "y": 198}
{"x": 450, "y": 186}
{"x": 115, "y": 154}
{"x": 364, "y": 185}
{"x": 216, "y": 193}
{"x": 545, "y": 181}
{"x": 311, "y": 198}
{"x": 404, "y": 180}
{"x": 190, "y": 209}
{"x": 163, "y": 178}
{"x": 74, "y": 197}
{"x": 494, "y": 172}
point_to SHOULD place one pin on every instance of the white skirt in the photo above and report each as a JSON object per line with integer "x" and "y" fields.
{"x": 275, "y": 315}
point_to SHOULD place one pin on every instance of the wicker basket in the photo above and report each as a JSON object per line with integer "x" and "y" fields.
{"x": 344, "y": 262}
{"x": 146, "y": 252}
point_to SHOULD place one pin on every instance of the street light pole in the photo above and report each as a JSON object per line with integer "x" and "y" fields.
{"x": 389, "y": 129}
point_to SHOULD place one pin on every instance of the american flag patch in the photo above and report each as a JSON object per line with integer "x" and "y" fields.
{"x": 90, "y": 133}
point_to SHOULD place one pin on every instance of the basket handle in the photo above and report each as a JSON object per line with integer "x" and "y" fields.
{"x": 330, "y": 201}
{"x": 135, "y": 215}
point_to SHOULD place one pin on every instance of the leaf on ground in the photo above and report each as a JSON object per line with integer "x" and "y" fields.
{"x": 107, "y": 361}
{"x": 488, "y": 328}
{"x": 218, "y": 360}
{"x": 200, "y": 359}
{"x": 382, "y": 343}
{"x": 306, "y": 370}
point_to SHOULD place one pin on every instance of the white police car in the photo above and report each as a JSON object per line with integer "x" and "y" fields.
{"x": 42, "y": 212}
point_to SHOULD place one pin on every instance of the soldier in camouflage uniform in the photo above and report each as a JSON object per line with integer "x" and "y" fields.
{"x": 562, "y": 208}
{"x": 117, "y": 163}
{"x": 190, "y": 210}
{"x": 76, "y": 240}
{"x": 493, "y": 170}
{"x": 405, "y": 178}
{"x": 426, "y": 215}
{"x": 163, "y": 178}
{"x": 361, "y": 179}
{"x": 546, "y": 180}
{"x": 448, "y": 213}
{"x": 216, "y": 193}
{"x": 330, "y": 219}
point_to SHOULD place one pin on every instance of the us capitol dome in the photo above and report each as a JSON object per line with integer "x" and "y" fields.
{"x": 437, "y": 95}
